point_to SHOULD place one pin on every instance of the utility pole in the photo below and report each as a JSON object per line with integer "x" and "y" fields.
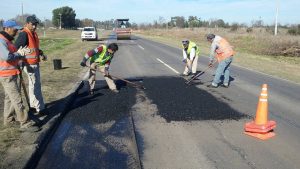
{"x": 45, "y": 26}
{"x": 22, "y": 17}
{"x": 59, "y": 20}
{"x": 276, "y": 18}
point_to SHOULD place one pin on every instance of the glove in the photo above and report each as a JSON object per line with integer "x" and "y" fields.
{"x": 184, "y": 61}
{"x": 23, "y": 51}
{"x": 43, "y": 57}
{"x": 41, "y": 52}
{"x": 106, "y": 73}
{"x": 83, "y": 62}
{"x": 210, "y": 64}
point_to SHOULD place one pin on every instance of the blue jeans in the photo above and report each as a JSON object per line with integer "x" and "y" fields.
{"x": 223, "y": 68}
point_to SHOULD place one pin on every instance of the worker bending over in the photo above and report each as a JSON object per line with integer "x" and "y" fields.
{"x": 223, "y": 52}
{"x": 190, "y": 57}
{"x": 100, "y": 58}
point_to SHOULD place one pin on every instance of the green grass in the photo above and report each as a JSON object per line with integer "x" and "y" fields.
{"x": 50, "y": 45}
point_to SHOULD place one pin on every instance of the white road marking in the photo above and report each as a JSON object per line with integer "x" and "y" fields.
{"x": 168, "y": 66}
{"x": 141, "y": 47}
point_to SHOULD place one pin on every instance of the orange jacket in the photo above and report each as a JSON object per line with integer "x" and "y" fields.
{"x": 9, "y": 68}
{"x": 33, "y": 44}
{"x": 224, "y": 50}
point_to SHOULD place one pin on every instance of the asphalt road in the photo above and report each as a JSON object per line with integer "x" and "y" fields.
{"x": 176, "y": 126}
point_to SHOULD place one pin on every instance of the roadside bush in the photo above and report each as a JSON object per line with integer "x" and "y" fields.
{"x": 249, "y": 30}
{"x": 234, "y": 27}
{"x": 293, "y": 31}
{"x": 279, "y": 47}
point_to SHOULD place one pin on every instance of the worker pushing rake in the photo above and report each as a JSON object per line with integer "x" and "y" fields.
{"x": 100, "y": 59}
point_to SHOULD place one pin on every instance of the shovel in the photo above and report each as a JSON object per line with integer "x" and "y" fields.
{"x": 199, "y": 74}
{"x": 118, "y": 78}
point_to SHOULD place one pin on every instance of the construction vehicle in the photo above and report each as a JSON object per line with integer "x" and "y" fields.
{"x": 122, "y": 29}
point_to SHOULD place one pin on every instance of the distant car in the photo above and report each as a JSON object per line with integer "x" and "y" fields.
{"x": 89, "y": 33}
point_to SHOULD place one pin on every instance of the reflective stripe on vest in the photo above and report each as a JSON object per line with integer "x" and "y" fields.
{"x": 192, "y": 45}
{"x": 224, "y": 50}
{"x": 102, "y": 58}
{"x": 33, "y": 44}
{"x": 9, "y": 68}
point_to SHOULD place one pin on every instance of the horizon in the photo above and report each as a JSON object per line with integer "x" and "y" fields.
{"x": 147, "y": 11}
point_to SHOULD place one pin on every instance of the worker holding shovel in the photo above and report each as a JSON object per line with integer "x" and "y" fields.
{"x": 190, "y": 57}
{"x": 100, "y": 59}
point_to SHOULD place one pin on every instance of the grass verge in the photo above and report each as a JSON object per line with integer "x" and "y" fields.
{"x": 279, "y": 66}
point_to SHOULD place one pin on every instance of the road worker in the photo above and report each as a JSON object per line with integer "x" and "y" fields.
{"x": 100, "y": 59}
{"x": 223, "y": 52}
{"x": 10, "y": 57}
{"x": 28, "y": 37}
{"x": 190, "y": 57}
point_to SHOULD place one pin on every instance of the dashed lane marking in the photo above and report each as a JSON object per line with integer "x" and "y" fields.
{"x": 168, "y": 66}
{"x": 141, "y": 47}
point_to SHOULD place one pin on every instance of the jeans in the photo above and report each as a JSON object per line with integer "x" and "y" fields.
{"x": 223, "y": 68}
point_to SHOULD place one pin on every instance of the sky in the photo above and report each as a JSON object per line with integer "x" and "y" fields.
{"x": 146, "y": 11}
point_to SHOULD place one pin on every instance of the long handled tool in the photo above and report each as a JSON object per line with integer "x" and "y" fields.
{"x": 199, "y": 74}
{"x": 115, "y": 77}
{"x": 24, "y": 88}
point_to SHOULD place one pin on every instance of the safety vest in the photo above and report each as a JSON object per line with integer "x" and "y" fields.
{"x": 192, "y": 45}
{"x": 33, "y": 44}
{"x": 224, "y": 50}
{"x": 9, "y": 68}
{"x": 102, "y": 57}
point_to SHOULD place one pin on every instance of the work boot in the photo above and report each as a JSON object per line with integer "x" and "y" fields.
{"x": 225, "y": 85}
{"x": 115, "y": 90}
{"x": 29, "y": 126}
{"x": 212, "y": 85}
{"x": 183, "y": 74}
{"x": 41, "y": 112}
{"x": 10, "y": 122}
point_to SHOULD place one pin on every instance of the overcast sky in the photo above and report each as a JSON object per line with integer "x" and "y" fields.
{"x": 146, "y": 11}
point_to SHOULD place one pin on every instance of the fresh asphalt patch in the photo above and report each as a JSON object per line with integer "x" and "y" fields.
{"x": 177, "y": 101}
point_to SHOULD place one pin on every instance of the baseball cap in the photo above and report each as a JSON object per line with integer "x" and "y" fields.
{"x": 31, "y": 19}
{"x": 11, "y": 24}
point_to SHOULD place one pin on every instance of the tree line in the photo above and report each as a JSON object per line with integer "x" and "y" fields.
{"x": 65, "y": 18}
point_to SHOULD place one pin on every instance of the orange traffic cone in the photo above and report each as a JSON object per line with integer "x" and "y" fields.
{"x": 261, "y": 128}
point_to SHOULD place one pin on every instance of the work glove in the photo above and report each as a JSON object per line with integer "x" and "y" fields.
{"x": 23, "y": 51}
{"x": 83, "y": 62}
{"x": 184, "y": 61}
{"x": 43, "y": 57}
{"x": 106, "y": 73}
